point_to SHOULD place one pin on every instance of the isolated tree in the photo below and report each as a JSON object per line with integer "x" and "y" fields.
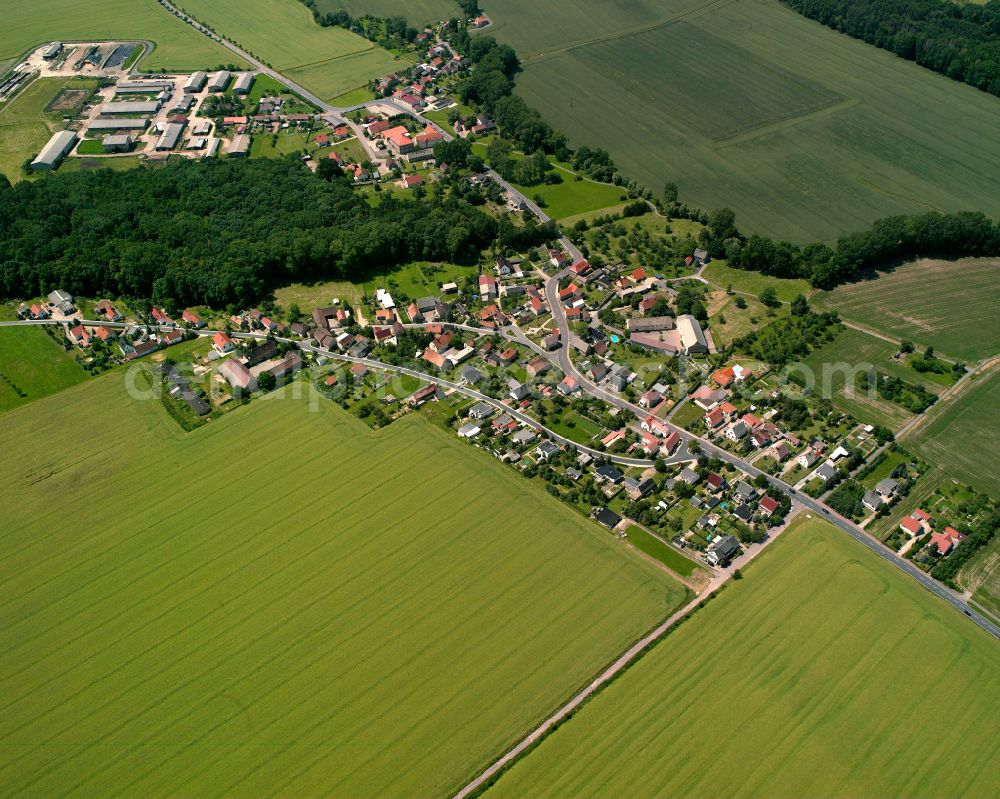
{"x": 769, "y": 297}
{"x": 266, "y": 381}
{"x": 800, "y": 306}
{"x": 906, "y": 346}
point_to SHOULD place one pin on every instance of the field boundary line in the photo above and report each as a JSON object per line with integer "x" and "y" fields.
{"x": 823, "y": 111}
{"x": 620, "y": 664}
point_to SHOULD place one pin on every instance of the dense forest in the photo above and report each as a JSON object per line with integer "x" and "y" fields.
{"x": 957, "y": 39}
{"x": 216, "y": 232}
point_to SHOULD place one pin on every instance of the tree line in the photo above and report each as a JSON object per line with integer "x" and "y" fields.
{"x": 217, "y": 232}
{"x": 888, "y": 241}
{"x": 957, "y": 39}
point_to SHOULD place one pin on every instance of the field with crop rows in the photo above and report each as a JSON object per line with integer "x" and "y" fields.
{"x": 416, "y": 12}
{"x": 950, "y": 305}
{"x": 327, "y": 61}
{"x": 825, "y": 672}
{"x": 284, "y": 601}
{"x": 962, "y": 437}
{"x": 32, "y": 366}
{"x": 804, "y": 132}
{"x": 178, "y": 46}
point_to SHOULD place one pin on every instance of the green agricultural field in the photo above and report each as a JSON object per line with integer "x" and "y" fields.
{"x": 825, "y": 672}
{"x": 416, "y": 12}
{"x": 806, "y": 133}
{"x": 950, "y": 305}
{"x": 720, "y": 274}
{"x": 962, "y": 437}
{"x": 330, "y": 611}
{"x": 327, "y": 61}
{"x": 178, "y": 46}
{"x": 32, "y": 366}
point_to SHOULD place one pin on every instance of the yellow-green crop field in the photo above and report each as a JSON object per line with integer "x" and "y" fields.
{"x": 327, "y": 61}
{"x": 283, "y": 602}
{"x": 178, "y": 45}
{"x": 825, "y": 672}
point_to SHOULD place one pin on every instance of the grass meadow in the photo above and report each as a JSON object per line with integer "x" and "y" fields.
{"x": 327, "y": 61}
{"x": 825, "y": 672}
{"x": 804, "y": 132}
{"x": 962, "y": 436}
{"x": 573, "y": 197}
{"x": 178, "y": 46}
{"x": 950, "y": 305}
{"x": 284, "y": 601}
{"x": 647, "y": 542}
{"x": 720, "y": 274}
{"x": 32, "y": 366}
{"x": 25, "y": 125}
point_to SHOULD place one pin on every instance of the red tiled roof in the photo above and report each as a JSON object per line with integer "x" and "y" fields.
{"x": 911, "y": 525}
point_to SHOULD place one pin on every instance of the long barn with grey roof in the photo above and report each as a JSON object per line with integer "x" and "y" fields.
{"x": 55, "y": 150}
{"x": 143, "y": 87}
{"x": 138, "y": 108}
{"x": 118, "y": 124}
{"x": 195, "y": 83}
{"x": 170, "y": 136}
{"x": 218, "y": 81}
{"x": 244, "y": 81}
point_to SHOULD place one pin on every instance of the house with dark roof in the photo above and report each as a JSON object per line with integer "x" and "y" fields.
{"x": 722, "y": 551}
{"x": 607, "y": 517}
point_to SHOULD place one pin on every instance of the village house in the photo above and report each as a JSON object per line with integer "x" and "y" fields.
{"x": 222, "y": 343}
{"x": 160, "y": 317}
{"x": 722, "y": 551}
{"x": 79, "y": 335}
{"x": 807, "y": 458}
{"x": 872, "y": 500}
{"x": 107, "y": 310}
{"x": 945, "y": 541}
